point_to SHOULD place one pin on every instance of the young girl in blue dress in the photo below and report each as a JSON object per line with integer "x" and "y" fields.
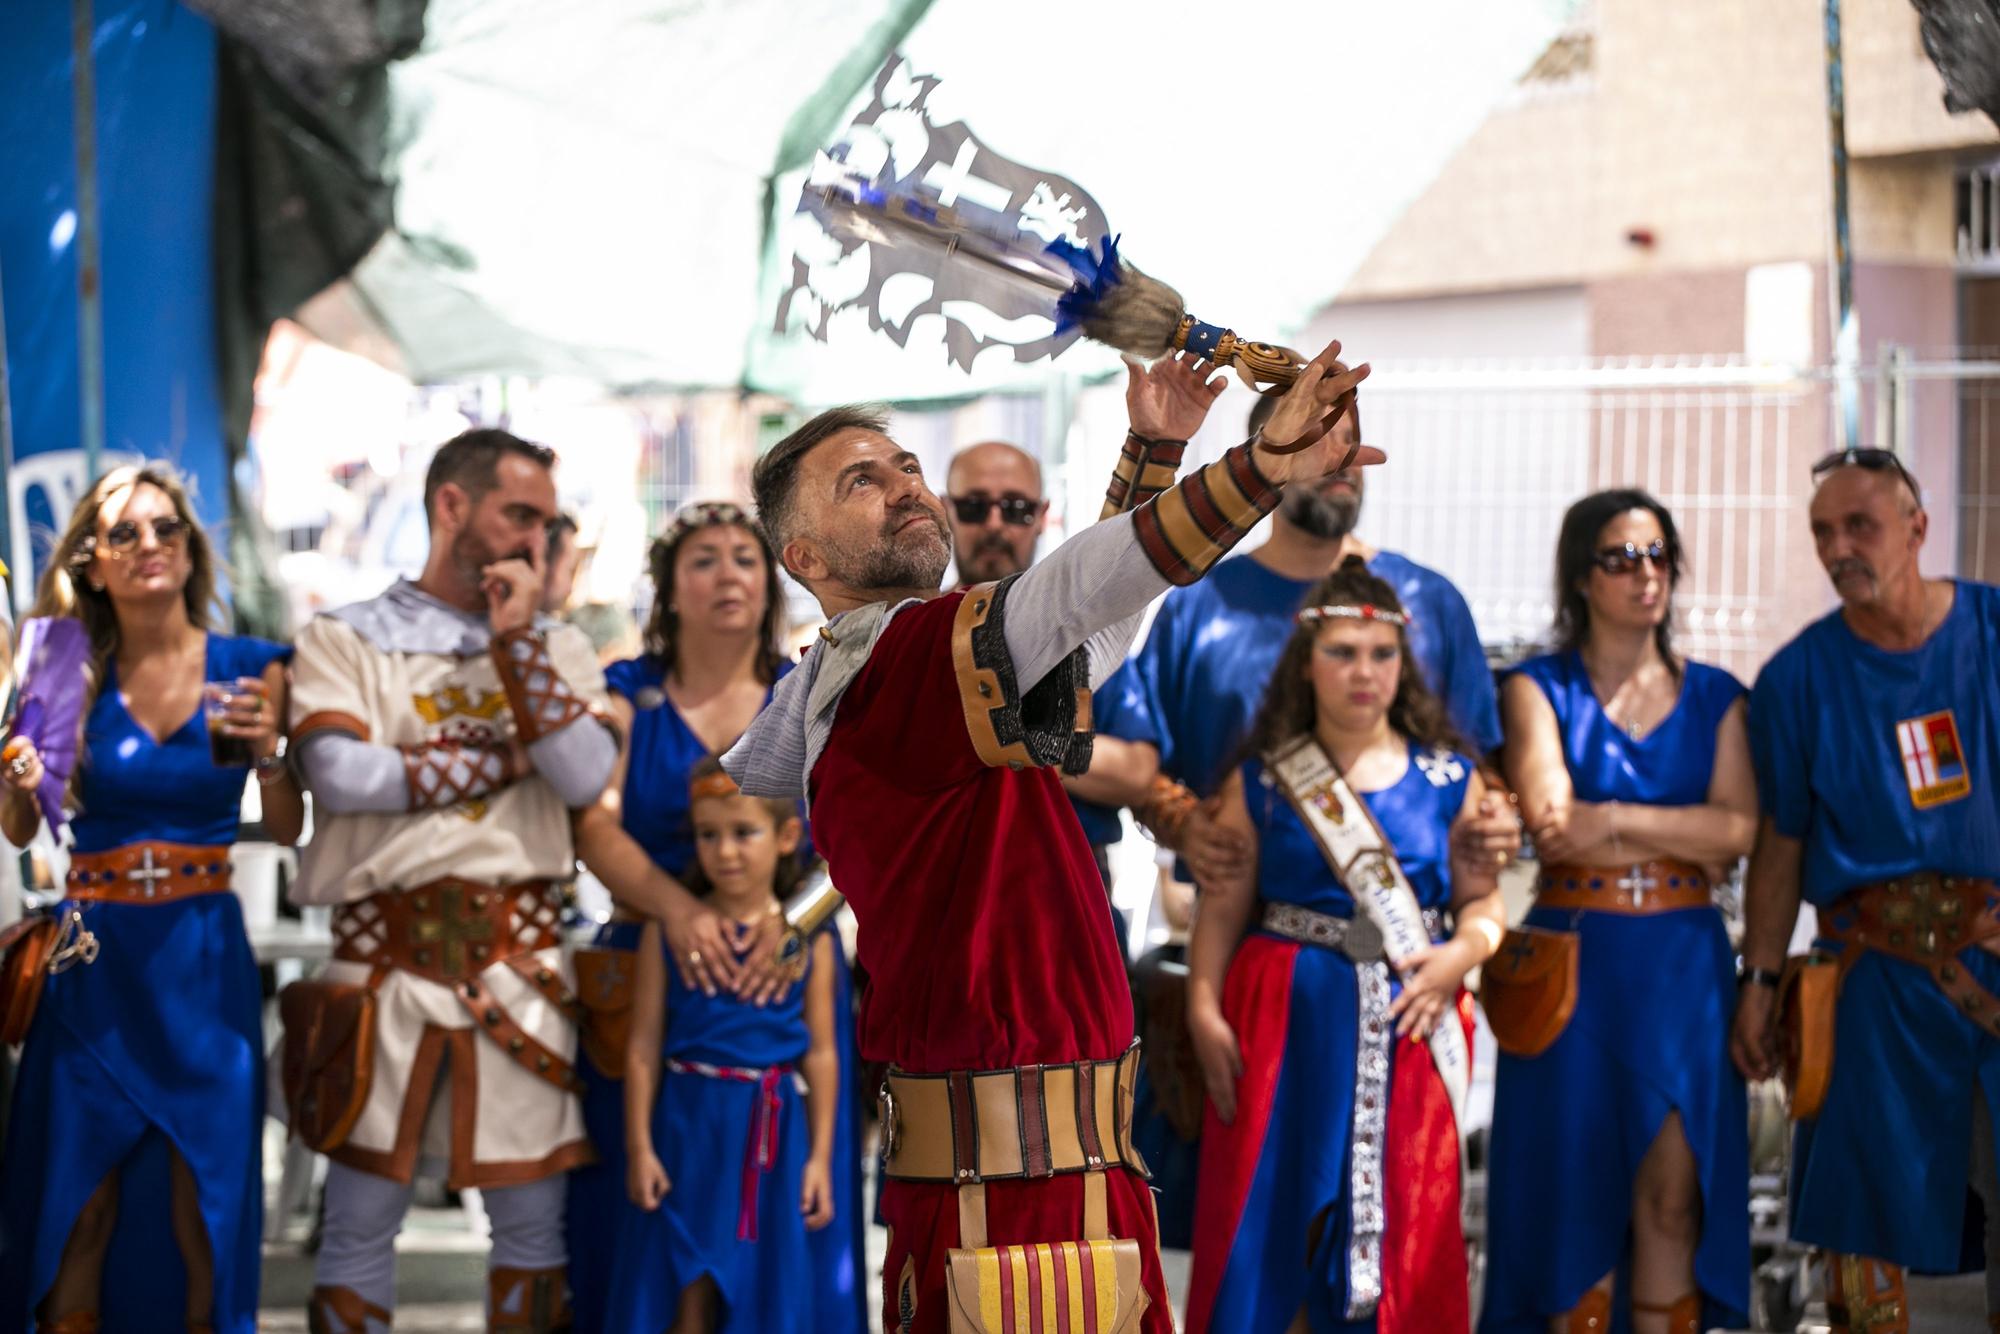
{"x": 1618, "y": 1190}
{"x": 131, "y": 1192}
{"x": 1328, "y": 1193}
{"x": 729, "y": 1106}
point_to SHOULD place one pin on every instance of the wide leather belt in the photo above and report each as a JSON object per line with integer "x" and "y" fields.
{"x": 1638, "y": 890}
{"x": 449, "y": 930}
{"x": 1356, "y": 937}
{"x": 1923, "y": 919}
{"x": 150, "y": 872}
{"x": 1031, "y": 1121}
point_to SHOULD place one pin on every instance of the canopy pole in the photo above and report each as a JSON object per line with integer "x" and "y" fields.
{"x": 89, "y": 266}
{"x": 1846, "y": 333}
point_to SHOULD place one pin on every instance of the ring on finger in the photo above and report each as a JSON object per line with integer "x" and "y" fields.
{"x": 694, "y": 958}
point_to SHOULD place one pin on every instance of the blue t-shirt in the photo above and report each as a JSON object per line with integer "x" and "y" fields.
{"x": 1884, "y": 764}
{"x": 135, "y": 788}
{"x": 1215, "y": 643}
{"x": 1672, "y": 765}
{"x": 1118, "y": 708}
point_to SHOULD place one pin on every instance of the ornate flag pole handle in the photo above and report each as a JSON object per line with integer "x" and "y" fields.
{"x": 1262, "y": 363}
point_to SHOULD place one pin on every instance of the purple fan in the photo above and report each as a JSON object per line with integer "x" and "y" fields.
{"x": 54, "y": 653}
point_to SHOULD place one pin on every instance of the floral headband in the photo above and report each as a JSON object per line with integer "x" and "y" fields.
{"x": 1367, "y": 611}
{"x": 707, "y": 514}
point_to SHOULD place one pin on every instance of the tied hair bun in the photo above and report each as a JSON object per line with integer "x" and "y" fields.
{"x": 1353, "y": 563}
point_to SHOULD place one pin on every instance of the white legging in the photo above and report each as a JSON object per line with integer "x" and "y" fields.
{"x": 364, "y": 1213}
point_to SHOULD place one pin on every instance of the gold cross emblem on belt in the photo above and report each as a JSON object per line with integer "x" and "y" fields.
{"x": 451, "y": 930}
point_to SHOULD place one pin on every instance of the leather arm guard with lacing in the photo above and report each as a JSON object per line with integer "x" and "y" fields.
{"x": 445, "y": 773}
{"x": 542, "y": 701}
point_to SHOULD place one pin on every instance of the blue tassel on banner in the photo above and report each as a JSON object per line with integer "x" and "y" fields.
{"x": 1096, "y": 275}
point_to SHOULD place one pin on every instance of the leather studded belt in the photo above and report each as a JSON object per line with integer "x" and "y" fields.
{"x": 1638, "y": 890}
{"x": 149, "y": 872}
{"x": 1030, "y": 1121}
{"x": 1923, "y": 919}
{"x": 451, "y": 931}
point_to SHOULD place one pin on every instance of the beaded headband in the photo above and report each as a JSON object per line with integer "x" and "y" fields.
{"x": 716, "y": 784}
{"x": 1367, "y": 611}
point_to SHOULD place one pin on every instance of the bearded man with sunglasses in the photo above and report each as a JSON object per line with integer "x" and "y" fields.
{"x": 1876, "y": 738}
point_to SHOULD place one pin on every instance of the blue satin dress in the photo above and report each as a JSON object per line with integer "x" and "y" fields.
{"x": 1287, "y": 1160}
{"x": 156, "y": 1045}
{"x": 734, "y": 1150}
{"x": 664, "y": 751}
{"x": 1650, "y": 1036}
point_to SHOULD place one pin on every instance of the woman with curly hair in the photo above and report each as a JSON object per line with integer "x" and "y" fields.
{"x": 1328, "y": 1193}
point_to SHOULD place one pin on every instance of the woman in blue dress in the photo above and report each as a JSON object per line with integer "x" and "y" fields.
{"x": 1620, "y": 1155}
{"x": 1328, "y": 1193}
{"x": 140, "y": 1102}
{"x": 715, "y": 645}
{"x": 730, "y": 1107}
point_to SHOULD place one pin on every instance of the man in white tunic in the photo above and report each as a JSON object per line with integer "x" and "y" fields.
{"x": 447, "y": 729}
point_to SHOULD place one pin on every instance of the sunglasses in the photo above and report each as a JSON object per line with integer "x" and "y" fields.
{"x": 1622, "y": 560}
{"x": 1017, "y": 510}
{"x": 169, "y": 530}
{"x": 1871, "y": 459}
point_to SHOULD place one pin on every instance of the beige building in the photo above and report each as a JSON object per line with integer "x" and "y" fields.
{"x": 1623, "y": 276}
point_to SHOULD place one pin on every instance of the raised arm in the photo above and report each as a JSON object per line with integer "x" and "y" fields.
{"x": 1111, "y": 570}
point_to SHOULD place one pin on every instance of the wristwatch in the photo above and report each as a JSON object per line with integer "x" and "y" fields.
{"x": 1763, "y": 977}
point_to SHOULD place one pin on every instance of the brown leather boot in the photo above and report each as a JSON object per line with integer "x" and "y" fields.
{"x": 527, "y": 1301}
{"x": 76, "y": 1322}
{"x": 1591, "y": 1314}
{"x": 1683, "y": 1315}
{"x": 1865, "y": 1296}
{"x": 342, "y": 1311}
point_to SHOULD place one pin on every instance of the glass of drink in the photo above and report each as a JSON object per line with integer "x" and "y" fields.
{"x": 217, "y": 699}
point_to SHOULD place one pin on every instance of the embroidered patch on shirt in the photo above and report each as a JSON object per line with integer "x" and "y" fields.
{"x": 1933, "y": 759}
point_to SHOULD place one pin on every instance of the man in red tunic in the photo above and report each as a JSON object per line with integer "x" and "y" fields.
{"x": 927, "y": 730}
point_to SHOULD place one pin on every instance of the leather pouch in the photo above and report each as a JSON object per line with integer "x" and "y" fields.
{"x": 1807, "y": 990}
{"x": 604, "y": 980}
{"x": 329, "y": 1057}
{"x": 1529, "y": 988}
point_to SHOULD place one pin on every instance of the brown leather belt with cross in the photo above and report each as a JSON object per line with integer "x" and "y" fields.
{"x": 450, "y": 932}
{"x": 1923, "y": 919}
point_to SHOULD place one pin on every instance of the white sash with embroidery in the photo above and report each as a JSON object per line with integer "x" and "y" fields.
{"x": 1361, "y": 856}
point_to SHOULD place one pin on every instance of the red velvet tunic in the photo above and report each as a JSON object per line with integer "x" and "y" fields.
{"x": 984, "y": 934}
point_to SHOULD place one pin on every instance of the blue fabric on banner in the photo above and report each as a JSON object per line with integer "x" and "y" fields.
{"x": 157, "y": 1043}
{"x": 156, "y": 104}
{"x": 1650, "y": 1036}
{"x": 1884, "y": 764}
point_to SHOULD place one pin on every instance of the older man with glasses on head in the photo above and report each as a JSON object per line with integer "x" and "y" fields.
{"x": 1876, "y": 736}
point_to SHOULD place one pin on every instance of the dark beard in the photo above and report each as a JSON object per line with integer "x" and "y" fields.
{"x": 1329, "y": 518}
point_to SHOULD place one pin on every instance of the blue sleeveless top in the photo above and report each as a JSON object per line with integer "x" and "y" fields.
{"x": 725, "y": 1030}
{"x": 1671, "y": 765}
{"x": 664, "y": 752}
{"x": 1416, "y": 813}
{"x": 135, "y": 788}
